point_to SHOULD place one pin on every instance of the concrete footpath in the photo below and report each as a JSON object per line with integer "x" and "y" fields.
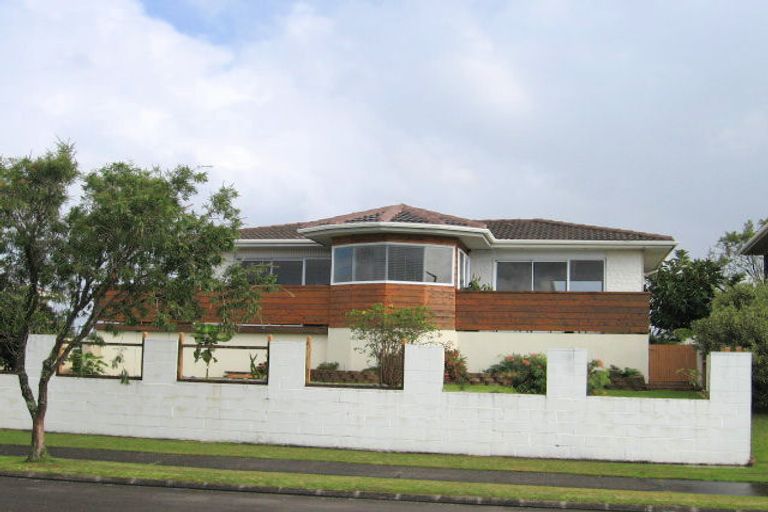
{"x": 405, "y": 472}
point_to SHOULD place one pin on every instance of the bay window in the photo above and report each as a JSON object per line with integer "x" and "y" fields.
{"x": 550, "y": 276}
{"x": 396, "y": 262}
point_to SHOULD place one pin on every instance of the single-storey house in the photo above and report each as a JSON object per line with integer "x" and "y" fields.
{"x": 496, "y": 286}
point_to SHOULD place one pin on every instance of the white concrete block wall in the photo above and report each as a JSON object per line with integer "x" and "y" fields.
{"x": 421, "y": 417}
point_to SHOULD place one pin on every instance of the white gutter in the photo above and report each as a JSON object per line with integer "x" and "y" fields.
{"x": 272, "y": 242}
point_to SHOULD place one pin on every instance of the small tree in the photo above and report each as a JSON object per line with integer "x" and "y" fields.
{"x": 740, "y": 319}
{"x": 728, "y": 251}
{"x": 383, "y": 331}
{"x": 130, "y": 246}
{"x": 682, "y": 291}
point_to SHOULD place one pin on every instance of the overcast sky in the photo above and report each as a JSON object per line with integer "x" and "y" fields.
{"x": 643, "y": 115}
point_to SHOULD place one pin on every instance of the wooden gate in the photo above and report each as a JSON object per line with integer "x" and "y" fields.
{"x": 665, "y": 363}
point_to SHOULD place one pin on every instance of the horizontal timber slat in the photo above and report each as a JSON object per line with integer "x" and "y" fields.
{"x": 607, "y": 312}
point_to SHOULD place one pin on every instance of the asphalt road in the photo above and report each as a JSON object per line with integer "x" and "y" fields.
{"x": 28, "y": 495}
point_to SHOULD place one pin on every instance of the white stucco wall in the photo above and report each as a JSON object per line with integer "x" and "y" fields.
{"x": 623, "y": 269}
{"x": 422, "y": 418}
{"x": 484, "y": 348}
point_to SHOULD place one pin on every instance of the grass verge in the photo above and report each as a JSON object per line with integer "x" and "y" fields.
{"x": 756, "y": 473}
{"x": 385, "y": 485}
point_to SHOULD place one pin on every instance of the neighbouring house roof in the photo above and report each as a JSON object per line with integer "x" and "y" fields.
{"x": 501, "y": 229}
{"x": 758, "y": 244}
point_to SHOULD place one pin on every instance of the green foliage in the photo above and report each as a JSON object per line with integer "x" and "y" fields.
{"x": 476, "y": 286}
{"x": 131, "y": 245}
{"x": 728, "y": 251}
{"x": 682, "y": 291}
{"x": 740, "y": 319}
{"x": 526, "y": 373}
{"x": 329, "y": 366}
{"x": 207, "y": 337}
{"x": 455, "y": 367}
{"x": 383, "y": 330}
{"x": 597, "y": 377}
{"x": 624, "y": 373}
{"x": 258, "y": 371}
{"x": 86, "y": 364}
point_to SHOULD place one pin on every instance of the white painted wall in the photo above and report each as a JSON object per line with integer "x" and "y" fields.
{"x": 484, "y": 348}
{"x": 623, "y": 268}
{"x": 422, "y": 418}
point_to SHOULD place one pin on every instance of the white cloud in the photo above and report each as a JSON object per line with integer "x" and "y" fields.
{"x": 474, "y": 110}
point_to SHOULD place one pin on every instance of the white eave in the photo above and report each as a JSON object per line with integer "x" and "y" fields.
{"x": 654, "y": 251}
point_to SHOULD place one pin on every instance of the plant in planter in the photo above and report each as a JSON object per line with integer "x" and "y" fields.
{"x": 207, "y": 337}
{"x": 455, "y": 370}
{"x": 597, "y": 377}
{"x": 526, "y": 373}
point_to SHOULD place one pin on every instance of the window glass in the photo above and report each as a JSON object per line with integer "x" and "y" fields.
{"x": 586, "y": 276}
{"x": 288, "y": 271}
{"x": 342, "y": 264}
{"x": 463, "y": 280}
{"x": 550, "y": 276}
{"x": 513, "y": 276}
{"x": 438, "y": 264}
{"x": 370, "y": 262}
{"x": 405, "y": 263}
{"x": 317, "y": 272}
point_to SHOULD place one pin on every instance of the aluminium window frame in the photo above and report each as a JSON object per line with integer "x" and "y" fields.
{"x": 567, "y": 261}
{"x": 386, "y": 264}
{"x": 302, "y": 259}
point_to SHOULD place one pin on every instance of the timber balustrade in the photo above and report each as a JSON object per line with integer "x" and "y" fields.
{"x": 304, "y": 308}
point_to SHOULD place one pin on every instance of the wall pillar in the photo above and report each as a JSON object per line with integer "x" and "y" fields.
{"x": 423, "y": 371}
{"x": 566, "y": 373}
{"x": 287, "y": 365}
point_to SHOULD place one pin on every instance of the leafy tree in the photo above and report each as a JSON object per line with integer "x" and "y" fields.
{"x": 383, "y": 331}
{"x": 728, "y": 251}
{"x": 682, "y": 291}
{"x": 740, "y": 319}
{"x": 130, "y": 246}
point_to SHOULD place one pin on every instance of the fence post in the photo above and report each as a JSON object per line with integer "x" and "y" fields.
{"x": 308, "y": 363}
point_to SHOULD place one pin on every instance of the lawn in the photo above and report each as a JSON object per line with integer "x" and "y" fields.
{"x": 385, "y": 485}
{"x": 756, "y": 473}
{"x": 657, "y": 393}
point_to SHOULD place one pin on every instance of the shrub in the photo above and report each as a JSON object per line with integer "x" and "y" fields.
{"x": 625, "y": 373}
{"x": 597, "y": 377}
{"x": 526, "y": 373}
{"x": 455, "y": 370}
{"x": 740, "y": 319}
{"x": 328, "y": 366}
{"x": 383, "y": 331}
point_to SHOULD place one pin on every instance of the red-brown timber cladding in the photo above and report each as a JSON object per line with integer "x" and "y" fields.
{"x": 440, "y": 299}
{"x": 606, "y": 312}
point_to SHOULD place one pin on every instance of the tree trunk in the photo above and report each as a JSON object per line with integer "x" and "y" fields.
{"x": 39, "y": 451}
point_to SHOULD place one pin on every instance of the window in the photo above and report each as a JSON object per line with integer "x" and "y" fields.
{"x": 296, "y": 272}
{"x": 317, "y": 271}
{"x": 393, "y": 262}
{"x": 586, "y": 276}
{"x": 514, "y": 276}
{"x": 550, "y": 276}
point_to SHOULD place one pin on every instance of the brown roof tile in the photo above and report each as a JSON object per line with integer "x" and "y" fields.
{"x": 503, "y": 229}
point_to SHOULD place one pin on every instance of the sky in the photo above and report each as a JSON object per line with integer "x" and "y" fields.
{"x": 642, "y": 115}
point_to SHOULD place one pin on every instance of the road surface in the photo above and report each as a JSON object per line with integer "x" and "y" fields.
{"x": 28, "y": 495}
